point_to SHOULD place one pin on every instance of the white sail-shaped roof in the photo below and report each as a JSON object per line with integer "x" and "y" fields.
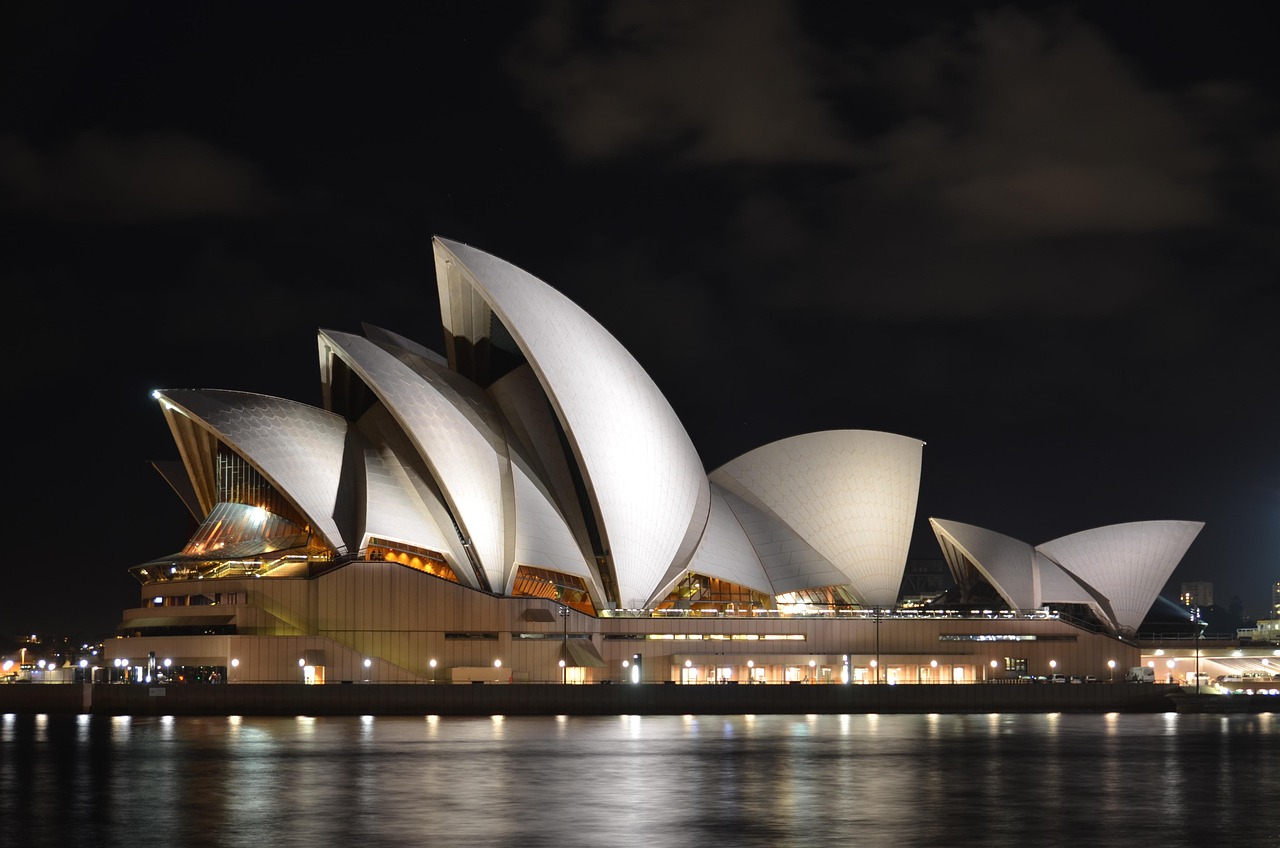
{"x": 1024, "y": 577}
{"x": 542, "y": 536}
{"x": 725, "y": 552}
{"x": 1003, "y": 561}
{"x": 850, "y": 494}
{"x": 298, "y": 448}
{"x": 789, "y": 561}
{"x": 1127, "y": 563}
{"x": 400, "y": 504}
{"x": 453, "y": 437}
{"x": 641, "y": 472}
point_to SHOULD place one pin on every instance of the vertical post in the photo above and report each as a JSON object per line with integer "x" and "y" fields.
{"x": 876, "y": 612}
{"x": 1199, "y": 629}
{"x": 564, "y": 646}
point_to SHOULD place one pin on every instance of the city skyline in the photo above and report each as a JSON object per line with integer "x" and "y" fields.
{"x": 1037, "y": 239}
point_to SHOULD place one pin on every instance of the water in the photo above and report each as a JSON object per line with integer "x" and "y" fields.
{"x": 901, "y": 780}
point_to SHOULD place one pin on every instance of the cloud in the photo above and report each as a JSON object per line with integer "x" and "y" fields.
{"x": 1035, "y": 126}
{"x": 711, "y": 83}
{"x": 148, "y": 177}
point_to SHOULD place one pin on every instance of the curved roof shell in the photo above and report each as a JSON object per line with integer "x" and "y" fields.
{"x": 1127, "y": 563}
{"x": 643, "y": 477}
{"x": 467, "y": 459}
{"x": 849, "y": 494}
{"x": 298, "y": 448}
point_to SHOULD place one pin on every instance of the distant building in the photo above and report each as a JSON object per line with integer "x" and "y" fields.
{"x": 1198, "y": 593}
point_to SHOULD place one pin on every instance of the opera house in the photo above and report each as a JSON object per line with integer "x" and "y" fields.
{"x": 527, "y": 507}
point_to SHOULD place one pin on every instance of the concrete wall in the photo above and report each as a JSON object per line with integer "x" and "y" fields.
{"x": 551, "y": 699}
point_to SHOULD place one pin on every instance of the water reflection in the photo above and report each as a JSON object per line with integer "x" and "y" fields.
{"x": 807, "y": 780}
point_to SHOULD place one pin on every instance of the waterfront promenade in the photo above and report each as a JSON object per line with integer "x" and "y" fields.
{"x": 552, "y": 699}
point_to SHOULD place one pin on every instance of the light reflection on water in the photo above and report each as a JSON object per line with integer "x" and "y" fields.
{"x": 1054, "y": 779}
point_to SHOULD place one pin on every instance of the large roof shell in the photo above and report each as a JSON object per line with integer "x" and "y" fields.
{"x": 1024, "y": 577}
{"x": 849, "y": 494}
{"x": 1127, "y": 563}
{"x": 725, "y": 551}
{"x": 1006, "y": 563}
{"x": 452, "y": 435}
{"x": 643, "y": 477}
{"x": 298, "y": 448}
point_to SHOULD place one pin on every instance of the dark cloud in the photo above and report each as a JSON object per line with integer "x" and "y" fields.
{"x": 1045, "y": 130}
{"x": 722, "y": 82}
{"x": 146, "y": 177}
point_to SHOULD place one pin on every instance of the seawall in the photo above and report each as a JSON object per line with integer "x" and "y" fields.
{"x": 552, "y": 699}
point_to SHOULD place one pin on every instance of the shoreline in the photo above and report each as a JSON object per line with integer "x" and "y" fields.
{"x": 514, "y": 699}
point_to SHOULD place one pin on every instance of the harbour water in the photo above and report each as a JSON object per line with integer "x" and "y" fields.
{"x": 1111, "y": 779}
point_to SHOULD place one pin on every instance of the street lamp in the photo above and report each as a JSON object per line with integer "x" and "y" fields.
{"x": 562, "y": 673}
{"x": 1053, "y": 665}
{"x": 751, "y": 674}
{"x": 367, "y": 662}
{"x": 875, "y": 670}
{"x": 1111, "y": 664}
{"x": 564, "y": 645}
{"x": 812, "y": 670}
{"x": 994, "y": 666}
{"x": 235, "y": 664}
{"x": 432, "y": 663}
{"x": 876, "y": 664}
{"x": 1170, "y": 664}
{"x": 1199, "y": 629}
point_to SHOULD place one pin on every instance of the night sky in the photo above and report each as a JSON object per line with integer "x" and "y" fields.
{"x": 1042, "y": 239}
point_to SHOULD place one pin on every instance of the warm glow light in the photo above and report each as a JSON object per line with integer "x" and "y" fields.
{"x": 368, "y": 662}
{"x": 1111, "y": 663}
{"x": 432, "y": 663}
{"x": 497, "y": 663}
{"x": 301, "y": 663}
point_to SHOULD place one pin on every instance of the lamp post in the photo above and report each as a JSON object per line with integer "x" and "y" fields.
{"x": 367, "y": 662}
{"x": 1111, "y": 664}
{"x": 564, "y": 645}
{"x": 876, "y": 664}
{"x": 1053, "y": 666}
{"x": 235, "y": 664}
{"x": 812, "y": 671}
{"x": 432, "y": 663}
{"x": 994, "y": 665}
{"x": 1199, "y": 629}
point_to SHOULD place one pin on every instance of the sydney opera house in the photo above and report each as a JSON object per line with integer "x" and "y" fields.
{"x": 526, "y": 507}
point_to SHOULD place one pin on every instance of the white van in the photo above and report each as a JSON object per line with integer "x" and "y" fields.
{"x": 1141, "y": 674}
